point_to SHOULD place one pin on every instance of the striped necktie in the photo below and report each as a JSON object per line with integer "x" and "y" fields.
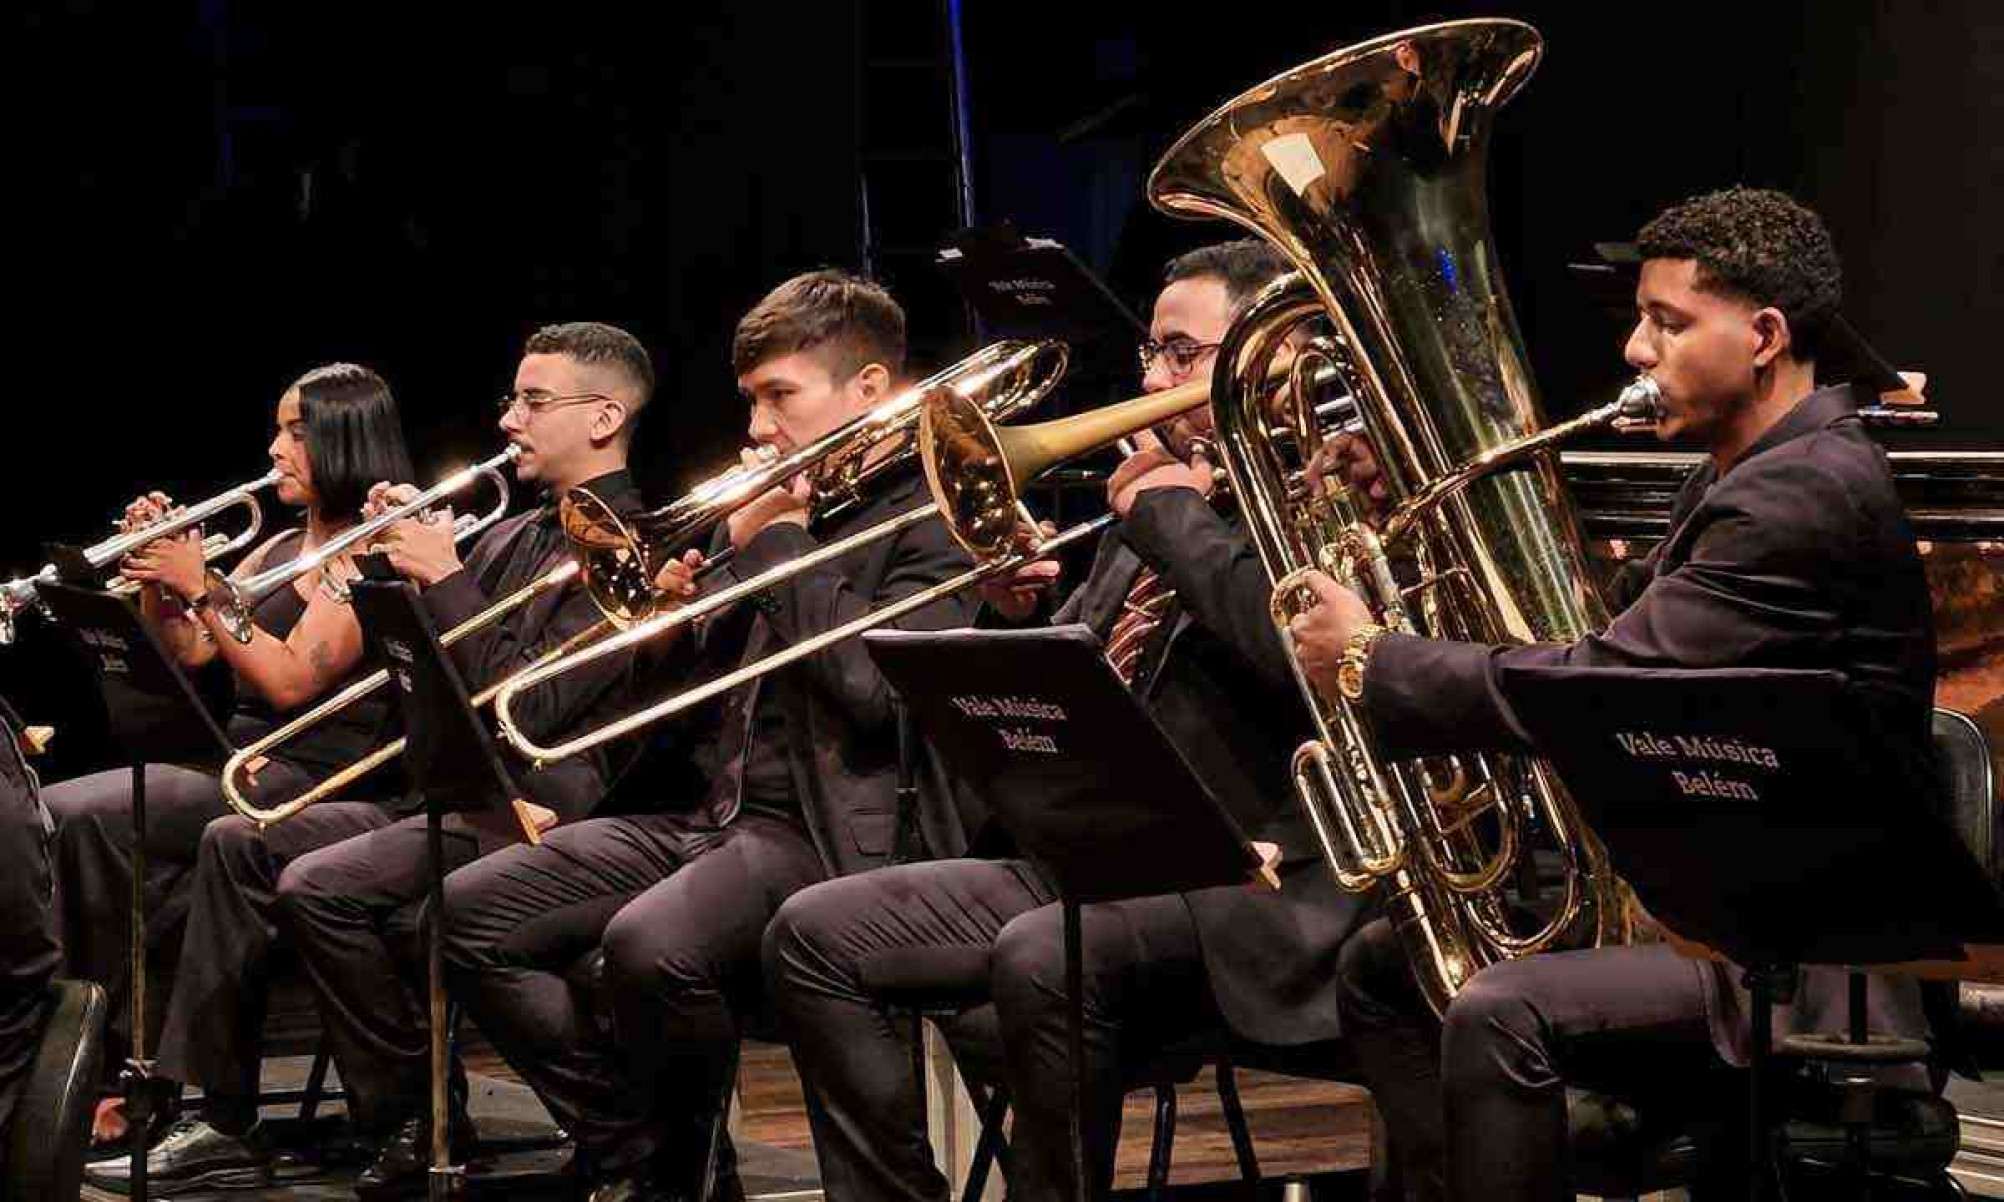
{"x": 1140, "y": 613}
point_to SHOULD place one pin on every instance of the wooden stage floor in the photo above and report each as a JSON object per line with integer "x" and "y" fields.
{"x": 1300, "y": 1128}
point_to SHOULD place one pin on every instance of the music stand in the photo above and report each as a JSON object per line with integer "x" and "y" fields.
{"x": 1071, "y": 766}
{"x": 1745, "y": 806}
{"x": 1035, "y": 288}
{"x": 455, "y": 767}
{"x": 155, "y": 715}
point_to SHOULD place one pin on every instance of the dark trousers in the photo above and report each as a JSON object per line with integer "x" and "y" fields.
{"x": 678, "y": 910}
{"x": 93, "y": 855}
{"x": 354, "y": 910}
{"x": 29, "y": 953}
{"x": 215, "y": 1015}
{"x": 1485, "y": 1089}
{"x": 1144, "y": 987}
{"x": 950, "y": 927}
{"x": 930, "y": 928}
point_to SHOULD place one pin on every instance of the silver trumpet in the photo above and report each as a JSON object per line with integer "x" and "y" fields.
{"x": 23, "y": 591}
{"x": 240, "y": 597}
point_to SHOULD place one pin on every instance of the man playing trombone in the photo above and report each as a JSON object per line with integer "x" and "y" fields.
{"x": 1179, "y": 599}
{"x": 802, "y": 785}
{"x": 351, "y": 907}
{"x": 337, "y": 430}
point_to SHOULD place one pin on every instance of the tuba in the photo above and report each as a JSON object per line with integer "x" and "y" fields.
{"x": 1365, "y": 168}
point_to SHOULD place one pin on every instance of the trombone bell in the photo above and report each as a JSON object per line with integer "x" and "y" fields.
{"x": 611, "y": 555}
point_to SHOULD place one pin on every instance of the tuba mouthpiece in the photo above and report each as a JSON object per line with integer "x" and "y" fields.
{"x": 1640, "y": 405}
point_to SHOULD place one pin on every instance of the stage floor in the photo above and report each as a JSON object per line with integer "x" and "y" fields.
{"x": 1300, "y": 1128}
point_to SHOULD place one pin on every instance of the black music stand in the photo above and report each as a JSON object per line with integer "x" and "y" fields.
{"x": 1035, "y": 288}
{"x": 1745, "y": 806}
{"x": 155, "y": 715}
{"x": 1077, "y": 773}
{"x": 454, "y": 765}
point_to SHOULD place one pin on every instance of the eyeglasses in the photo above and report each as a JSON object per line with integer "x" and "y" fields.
{"x": 1181, "y": 353}
{"x": 529, "y": 402}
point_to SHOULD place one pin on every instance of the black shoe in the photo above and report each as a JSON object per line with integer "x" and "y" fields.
{"x": 192, "y": 1155}
{"x": 637, "y": 1187}
{"x": 403, "y": 1164}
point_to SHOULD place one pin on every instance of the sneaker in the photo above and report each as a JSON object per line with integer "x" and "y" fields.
{"x": 192, "y": 1155}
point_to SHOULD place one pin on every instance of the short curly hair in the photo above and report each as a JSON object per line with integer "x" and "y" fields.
{"x": 1760, "y": 245}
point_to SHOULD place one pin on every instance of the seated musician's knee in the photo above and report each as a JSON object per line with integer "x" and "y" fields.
{"x": 228, "y": 843}
{"x": 1494, "y": 1032}
{"x": 1027, "y": 970}
{"x": 641, "y": 958}
{"x": 308, "y": 887}
{"x": 797, "y": 941}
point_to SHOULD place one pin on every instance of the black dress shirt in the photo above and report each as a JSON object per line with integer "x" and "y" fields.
{"x": 510, "y": 555}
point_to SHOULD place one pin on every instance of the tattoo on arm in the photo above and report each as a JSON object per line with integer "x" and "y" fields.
{"x": 321, "y": 657}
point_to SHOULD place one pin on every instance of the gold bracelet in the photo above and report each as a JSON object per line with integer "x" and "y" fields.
{"x": 1356, "y": 653}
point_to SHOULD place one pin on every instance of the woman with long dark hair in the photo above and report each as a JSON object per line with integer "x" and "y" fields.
{"x": 338, "y": 433}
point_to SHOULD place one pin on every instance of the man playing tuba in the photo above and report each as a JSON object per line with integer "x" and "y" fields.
{"x": 1788, "y": 548}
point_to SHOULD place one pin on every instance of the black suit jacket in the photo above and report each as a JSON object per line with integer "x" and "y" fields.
{"x": 1799, "y": 555}
{"x": 1222, "y": 689}
{"x": 840, "y": 717}
{"x": 491, "y": 569}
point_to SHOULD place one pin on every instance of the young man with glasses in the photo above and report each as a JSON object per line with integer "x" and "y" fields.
{"x": 1179, "y": 599}
{"x": 352, "y": 907}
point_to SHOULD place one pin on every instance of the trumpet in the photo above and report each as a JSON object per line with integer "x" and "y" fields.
{"x": 23, "y": 591}
{"x": 240, "y": 597}
{"x": 975, "y": 470}
{"x": 621, "y": 557}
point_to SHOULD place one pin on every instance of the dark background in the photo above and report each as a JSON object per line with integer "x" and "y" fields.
{"x": 211, "y": 197}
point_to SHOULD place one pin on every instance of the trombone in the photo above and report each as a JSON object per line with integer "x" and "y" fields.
{"x": 621, "y": 557}
{"x": 1000, "y": 379}
{"x": 240, "y": 597}
{"x": 976, "y": 471}
{"x": 234, "y": 787}
{"x": 23, "y": 591}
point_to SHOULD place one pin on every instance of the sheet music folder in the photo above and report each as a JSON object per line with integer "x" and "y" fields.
{"x": 1066, "y": 759}
{"x": 448, "y": 753}
{"x": 1751, "y": 813}
{"x": 155, "y": 712}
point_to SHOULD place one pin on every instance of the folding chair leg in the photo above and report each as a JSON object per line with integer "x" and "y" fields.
{"x": 994, "y": 1110}
{"x": 1235, "y": 1121}
{"x": 720, "y": 1118}
{"x": 316, "y": 1083}
{"x": 1165, "y": 1140}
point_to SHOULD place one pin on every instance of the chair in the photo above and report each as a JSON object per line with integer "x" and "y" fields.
{"x": 1619, "y": 1153}
{"x": 51, "y": 1123}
